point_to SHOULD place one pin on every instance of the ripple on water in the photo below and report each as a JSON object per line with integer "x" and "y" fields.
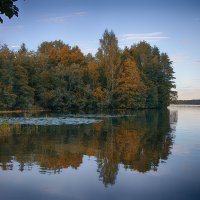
{"x": 48, "y": 121}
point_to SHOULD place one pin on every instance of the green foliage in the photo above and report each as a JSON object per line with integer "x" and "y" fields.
{"x": 108, "y": 57}
{"x": 8, "y": 9}
{"x": 7, "y": 96}
{"x": 23, "y": 91}
{"x": 59, "y": 77}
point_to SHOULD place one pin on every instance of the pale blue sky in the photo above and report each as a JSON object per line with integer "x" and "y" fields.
{"x": 172, "y": 25}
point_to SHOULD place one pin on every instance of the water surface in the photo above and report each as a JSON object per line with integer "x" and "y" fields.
{"x": 142, "y": 155}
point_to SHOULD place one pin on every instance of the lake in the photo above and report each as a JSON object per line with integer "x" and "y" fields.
{"x": 139, "y": 155}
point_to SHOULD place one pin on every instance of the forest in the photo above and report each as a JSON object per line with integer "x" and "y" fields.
{"x": 58, "y": 77}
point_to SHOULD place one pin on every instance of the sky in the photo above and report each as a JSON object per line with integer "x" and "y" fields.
{"x": 172, "y": 25}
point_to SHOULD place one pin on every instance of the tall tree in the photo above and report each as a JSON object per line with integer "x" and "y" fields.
{"x": 130, "y": 90}
{"x": 166, "y": 81}
{"x": 108, "y": 56}
{"x": 7, "y": 96}
{"x": 24, "y": 93}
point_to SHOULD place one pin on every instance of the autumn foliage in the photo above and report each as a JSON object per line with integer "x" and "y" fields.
{"x": 59, "y": 77}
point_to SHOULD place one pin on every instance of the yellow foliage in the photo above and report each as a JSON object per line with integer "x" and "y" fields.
{"x": 128, "y": 77}
{"x": 99, "y": 93}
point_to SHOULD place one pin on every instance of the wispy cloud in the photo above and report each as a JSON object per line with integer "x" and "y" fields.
{"x": 5, "y": 27}
{"x": 154, "y": 36}
{"x": 56, "y": 20}
{"x": 63, "y": 18}
{"x": 80, "y": 14}
{"x": 14, "y": 46}
{"x": 89, "y": 50}
{"x": 90, "y": 46}
{"x": 189, "y": 93}
{"x": 178, "y": 58}
{"x": 198, "y": 61}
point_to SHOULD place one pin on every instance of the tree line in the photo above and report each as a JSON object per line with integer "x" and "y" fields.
{"x": 188, "y": 102}
{"x": 59, "y": 77}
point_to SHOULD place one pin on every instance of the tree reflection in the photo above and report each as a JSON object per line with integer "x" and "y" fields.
{"x": 139, "y": 142}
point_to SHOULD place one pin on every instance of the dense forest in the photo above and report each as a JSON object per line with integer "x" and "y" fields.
{"x": 59, "y": 77}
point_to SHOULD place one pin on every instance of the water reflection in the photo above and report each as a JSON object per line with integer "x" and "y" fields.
{"x": 139, "y": 142}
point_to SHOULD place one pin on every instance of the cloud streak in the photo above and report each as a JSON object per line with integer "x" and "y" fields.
{"x": 14, "y": 46}
{"x": 89, "y": 50}
{"x": 153, "y": 36}
{"x": 63, "y": 18}
{"x": 4, "y": 27}
{"x": 179, "y": 58}
{"x": 80, "y": 14}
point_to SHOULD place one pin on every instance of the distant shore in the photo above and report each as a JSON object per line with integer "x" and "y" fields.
{"x": 188, "y": 102}
{"x": 183, "y": 105}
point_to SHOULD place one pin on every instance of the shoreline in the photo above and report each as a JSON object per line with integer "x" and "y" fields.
{"x": 23, "y": 111}
{"x": 43, "y": 110}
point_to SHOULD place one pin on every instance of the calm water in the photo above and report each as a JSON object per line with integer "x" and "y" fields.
{"x": 143, "y": 155}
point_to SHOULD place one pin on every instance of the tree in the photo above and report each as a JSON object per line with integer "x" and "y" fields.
{"x": 8, "y": 8}
{"x": 108, "y": 56}
{"x": 24, "y": 93}
{"x": 157, "y": 74}
{"x": 166, "y": 82}
{"x": 7, "y": 96}
{"x": 130, "y": 90}
{"x": 142, "y": 53}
